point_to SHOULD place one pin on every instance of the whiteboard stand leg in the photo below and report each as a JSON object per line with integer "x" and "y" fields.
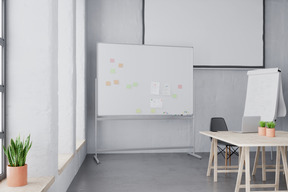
{"x": 96, "y": 159}
{"x": 195, "y": 155}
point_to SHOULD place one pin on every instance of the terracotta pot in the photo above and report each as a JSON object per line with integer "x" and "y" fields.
{"x": 262, "y": 131}
{"x": 17, "y": 176}
{"x": 270, "y": 132}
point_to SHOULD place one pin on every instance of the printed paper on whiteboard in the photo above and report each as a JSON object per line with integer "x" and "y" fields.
{"x": 155, "y": 86}
{"x": 166, "y": 89}
{"x": 156, "y": 103}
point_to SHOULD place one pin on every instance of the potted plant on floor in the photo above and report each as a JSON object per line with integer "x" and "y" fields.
{"x": 16, "y": 154}
{"x": 270, "y": 130}
{"x": 262, "y": 128}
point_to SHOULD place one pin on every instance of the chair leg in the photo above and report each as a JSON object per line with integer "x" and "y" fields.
{"x": 226, "y": 156}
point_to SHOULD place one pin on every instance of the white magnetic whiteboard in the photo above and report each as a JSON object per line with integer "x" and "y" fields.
{"x": 264, "y": 95}
{"x": 222, "y": 32}
{"x": 144, "y": 80}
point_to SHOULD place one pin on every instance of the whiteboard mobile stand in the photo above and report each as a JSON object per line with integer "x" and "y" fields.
{"x": 121, "y": 70}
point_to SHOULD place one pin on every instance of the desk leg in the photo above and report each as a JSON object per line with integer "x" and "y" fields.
{"x": 210, "y": 158}
{"x": 256, "y": 161}
{"x": 277, "y": 171}
{"x": 263, "y": 164}
{"x": 215, "y": 159}
{"x": 284, "y": 161}
{"x": 240, "y": 169}
{"x": 247, "y": 168}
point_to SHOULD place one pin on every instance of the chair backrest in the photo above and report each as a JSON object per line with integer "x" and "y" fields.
{"x": 218, "y": 124}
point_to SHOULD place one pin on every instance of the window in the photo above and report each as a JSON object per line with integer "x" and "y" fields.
{"x": 2, "y": 88}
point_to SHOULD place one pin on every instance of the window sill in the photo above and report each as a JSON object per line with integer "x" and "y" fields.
{"x": 63, "y": 160}
{"x": 80, "y": 144}
{"x": 37, "y": 184}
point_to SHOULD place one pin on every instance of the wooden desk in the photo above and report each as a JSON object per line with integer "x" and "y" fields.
{"x": 245, "y": 141}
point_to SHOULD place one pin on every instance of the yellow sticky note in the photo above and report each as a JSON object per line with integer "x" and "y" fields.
{"x": 108, "y": 83}
{"x": 113, "y": 71}
{"x": 152, "y": 110}
{"x": 120, "y": 65}
{"x": 116, "y": 82}
{"x": 138, "y": 110}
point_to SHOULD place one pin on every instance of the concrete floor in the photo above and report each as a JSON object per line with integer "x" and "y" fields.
{"x": 157, "y": 173}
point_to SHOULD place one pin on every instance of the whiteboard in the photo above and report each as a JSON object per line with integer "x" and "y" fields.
{"x": 264, "y": 95}
{"x": 222, "y": 32}
{"x": 144, "y": 80}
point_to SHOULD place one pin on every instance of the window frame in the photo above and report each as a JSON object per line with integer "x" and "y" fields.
{"x": 3, "y": 89}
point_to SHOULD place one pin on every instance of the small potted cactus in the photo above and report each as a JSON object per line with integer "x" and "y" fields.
{"x": 16, "y": 154}
{"x": 262, "y": 128}
{"x": 270, "y": 130}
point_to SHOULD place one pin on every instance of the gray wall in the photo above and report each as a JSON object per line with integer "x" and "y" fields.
{"x": 218, "y": 92}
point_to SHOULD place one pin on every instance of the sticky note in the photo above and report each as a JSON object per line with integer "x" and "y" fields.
{"x": 152, "y": 110}
{"x": 138, "y": 110}
{"x": 179, "y": 86}
{"x": 112, "y": 60}
{"x": 120, "y": 65}
{"x": 128, "y": 86}
{"x": 174, "y": 96}
{"x": 112, "y": 71}
{"x": 108, "y": 83}
{"x": 135, "y": 84}
{"x": 116, "y": 82}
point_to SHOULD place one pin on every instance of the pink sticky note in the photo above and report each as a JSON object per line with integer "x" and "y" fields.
{"x": 179, "y": 86}
{"x": 112, "y": 60}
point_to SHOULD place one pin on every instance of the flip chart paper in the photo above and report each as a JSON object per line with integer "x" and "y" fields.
{"x": 166, "y": 89}
{"x": 116, "y": 82}
{"x": 108, "y": 83}
{"x": 155, "y": 86}
{"x": 156, "y": 103}
{"x": 120, "y": 65}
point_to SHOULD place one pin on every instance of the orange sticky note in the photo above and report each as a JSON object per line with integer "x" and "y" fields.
{"x": 108, "y": 83}
{"x": 116, "y": 82}
{"x": 120, "y": 65}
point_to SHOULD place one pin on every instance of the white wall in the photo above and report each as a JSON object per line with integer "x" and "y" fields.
{"x": 32, "y": 86}
{"x": 32, "y": 80}
{"x": 67, "y": 75}
{"x": 218, "y": 92}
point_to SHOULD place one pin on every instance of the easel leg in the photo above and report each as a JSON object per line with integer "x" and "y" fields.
{"x": 263, "y": 164}
{"x": 96, "y": 158}
{"x": 229, "y": 155}
{"x": 215, "y": 160}
{"x": 277, "y": 171}
{"x": 256, "y": 161}
{"x": 240, "y": 169}
{"x": 284, "y": 161}
{"x": 210, "y": 158}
